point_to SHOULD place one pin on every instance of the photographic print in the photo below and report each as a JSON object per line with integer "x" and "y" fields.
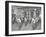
{"x": 25, "y": 18}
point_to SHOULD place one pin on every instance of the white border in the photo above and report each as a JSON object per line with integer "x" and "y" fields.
{"x": 24, "y": 32}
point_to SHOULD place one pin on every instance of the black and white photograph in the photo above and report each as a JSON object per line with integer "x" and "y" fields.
{"x": 25, "y": 18}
